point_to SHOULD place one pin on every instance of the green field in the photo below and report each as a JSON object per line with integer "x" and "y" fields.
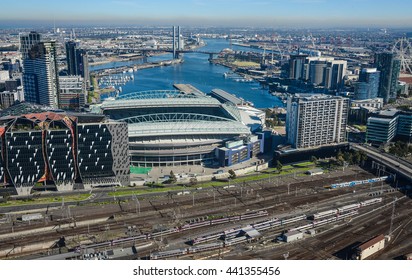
{"x": 245, "y": 63}
{"x": 45, "y": 200}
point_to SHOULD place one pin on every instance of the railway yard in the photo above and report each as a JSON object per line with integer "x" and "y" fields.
{"x": 242, "y": 221}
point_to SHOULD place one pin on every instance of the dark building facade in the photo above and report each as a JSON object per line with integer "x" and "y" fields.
{"x": 297, "y": 66}
{"x": 389, "y": 67}
{"x": 368, "y": 84}
{"x": 40, "y": 76}
{"x": 7, "y": 99}
{"x": 62, "y": 151}
{"x": 77, "y": 61}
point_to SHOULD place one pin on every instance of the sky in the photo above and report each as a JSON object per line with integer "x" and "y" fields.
{"x": 258, "y": 13}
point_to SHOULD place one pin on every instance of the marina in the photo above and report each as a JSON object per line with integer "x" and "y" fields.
{"x": 195, "y": 70}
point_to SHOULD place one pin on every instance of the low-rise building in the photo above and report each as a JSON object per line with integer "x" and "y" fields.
{"x": 370, "y": 247}
{"x": 387, "y": 125}
{"x": 292, "y": 236}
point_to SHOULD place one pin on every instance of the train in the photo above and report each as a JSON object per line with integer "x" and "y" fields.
{"x": 198, "y": 248}
{"x": 260, "y": 226}
{"x": 317, "y": 223}
{"x": 323, "y": 214}
{"x": 261, "y": 213}
{"x": 361, "y": 182}
{"x": 343, "y": 209}
{"x": 234, "y": 239}
{"x": 148, "y": 236}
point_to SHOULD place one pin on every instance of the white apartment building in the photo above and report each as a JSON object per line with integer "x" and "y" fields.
{"x": 314, "y": 120}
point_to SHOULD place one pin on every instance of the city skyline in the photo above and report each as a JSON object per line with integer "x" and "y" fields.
{"x": 275, "y": 13}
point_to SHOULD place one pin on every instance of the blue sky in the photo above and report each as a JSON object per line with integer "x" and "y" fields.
{"x": 384, "y": 13}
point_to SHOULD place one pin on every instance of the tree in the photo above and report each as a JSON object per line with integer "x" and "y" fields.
{"x": 172, "y": 178}
{"x": 339, "y": 158}
{"x": 6, "y": 196}
{"x": 348, "y": 157}
{"x": 232, "y": 174}
{"x": 313, "y": 159}
{"x": 357, "y": 157}
{"x": 192, "y": 181}
{"x": 363, "y": 157}
{"x": 279, "y": 166}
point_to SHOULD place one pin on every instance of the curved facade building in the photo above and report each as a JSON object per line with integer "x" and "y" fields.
{"x": 169, "y": 128}
{"x": 64, "y": 152}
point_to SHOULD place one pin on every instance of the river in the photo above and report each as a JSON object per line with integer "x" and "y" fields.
{"x": 197, "y": 71}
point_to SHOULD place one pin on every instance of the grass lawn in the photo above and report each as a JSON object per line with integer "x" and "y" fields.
{"x": 245, "y": 63}
{"x": 45, "y": 200}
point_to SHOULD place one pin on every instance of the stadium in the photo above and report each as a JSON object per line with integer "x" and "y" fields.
{"x": 172, "y": 128}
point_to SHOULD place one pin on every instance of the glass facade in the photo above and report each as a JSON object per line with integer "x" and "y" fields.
{"x": 368, "y": 85}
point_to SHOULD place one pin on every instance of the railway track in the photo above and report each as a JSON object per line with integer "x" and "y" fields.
{"x": 171, "y": 211}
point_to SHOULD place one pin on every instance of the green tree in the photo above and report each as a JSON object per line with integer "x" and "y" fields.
{"x": 232, "y": 174}
{"x": 339, "y": 158}
{"x": 6, "y": 196}
{"x": 348, "y": 157}
{"x": 193, "y": 182}
{"x": 279, "y": 166}
{"x": 172, "y": 177}
{"x": 356, "y": 157}
{"x": 313, "y": 159}
{"x": 363, "y": 157}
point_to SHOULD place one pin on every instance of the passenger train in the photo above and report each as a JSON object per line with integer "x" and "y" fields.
{"x": 344, "y": 209}
{"x": 361, "y": 182}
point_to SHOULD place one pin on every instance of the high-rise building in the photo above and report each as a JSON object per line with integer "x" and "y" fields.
{"x": 317, "y": 72}
{"x": 27, "y": 41}
{"x": 320, "y": 71}
{"x": 368, "y": 85}
{"x": 335, "y": 71}
{"x": 77, "y": 61}
{"x": 297, "y": 66}
{"x": 389, "y": 66}
{"x": 72, "y": 93}
{"x": 7, "y": 99}
{"x": 40, "y": 76}
{"x": 314, "y": 120}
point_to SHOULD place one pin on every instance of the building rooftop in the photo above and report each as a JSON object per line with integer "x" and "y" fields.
{"x": 188, "y": 89}
{"x": 388, "y": 112}
{"x": 27, "y": 108}
{"x": 226, "y": 96}
{"x": 371, "y": 242}
{"x": 315, "y": 97}
{"x": 184, "y": 128}
{"x": 292, "y": 233}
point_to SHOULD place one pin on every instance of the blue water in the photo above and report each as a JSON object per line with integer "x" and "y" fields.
{"x": 197, "y": 71}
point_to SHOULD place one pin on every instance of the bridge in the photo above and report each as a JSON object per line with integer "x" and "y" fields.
{"x": 175, "y": 52}
{"x": 176, "y": 49}
{"x": 395, "y": 164}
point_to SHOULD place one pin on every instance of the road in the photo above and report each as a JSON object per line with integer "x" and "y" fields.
{"x": 397, "y": 165}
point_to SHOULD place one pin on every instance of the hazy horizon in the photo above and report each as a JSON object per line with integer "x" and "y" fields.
{"x": 227, "y": 13}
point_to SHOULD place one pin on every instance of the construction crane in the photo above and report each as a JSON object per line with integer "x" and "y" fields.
{"x": 312, "y": 40}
